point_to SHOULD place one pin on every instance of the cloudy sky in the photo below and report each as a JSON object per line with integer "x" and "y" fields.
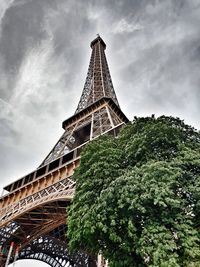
{"x": 153, "y": 51}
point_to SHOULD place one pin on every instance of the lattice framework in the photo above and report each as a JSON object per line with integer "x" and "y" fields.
{"x": 33, "y": 214}
{"x": 98, "y": 83}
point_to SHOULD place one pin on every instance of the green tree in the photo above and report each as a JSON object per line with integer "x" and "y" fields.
{"x": 138, "y": 196}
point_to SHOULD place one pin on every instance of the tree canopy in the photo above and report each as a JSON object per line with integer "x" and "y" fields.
{"x": 137, "y": 197}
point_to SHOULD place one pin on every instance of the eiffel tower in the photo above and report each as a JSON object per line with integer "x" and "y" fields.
{"x": 33, "y": 218}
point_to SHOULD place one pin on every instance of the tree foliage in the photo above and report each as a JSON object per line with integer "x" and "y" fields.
{"x": 138, "y": 196}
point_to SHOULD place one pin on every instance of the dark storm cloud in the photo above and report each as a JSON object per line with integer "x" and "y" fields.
{"x": 159, "y": 69}
{"x": 19, "y": 31}
{"x": 40, "y": 61}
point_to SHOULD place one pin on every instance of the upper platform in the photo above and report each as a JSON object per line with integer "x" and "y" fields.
{"x": 96, "y": 40}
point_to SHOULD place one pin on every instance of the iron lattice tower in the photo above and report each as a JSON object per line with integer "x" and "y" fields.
{"x": 33, "y": 212}
{"x": 98, "y": 83}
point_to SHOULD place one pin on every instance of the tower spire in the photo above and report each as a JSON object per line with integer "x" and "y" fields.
{"x": 98, "y": 111}
{"x": 98, "y": 82}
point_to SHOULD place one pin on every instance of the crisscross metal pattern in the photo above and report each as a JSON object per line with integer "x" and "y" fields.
{"x": 62, "y": 189}
{"x": 98, "y": 82}
{"x": 33, "y": 214}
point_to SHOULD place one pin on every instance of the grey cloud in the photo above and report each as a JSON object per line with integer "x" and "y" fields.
{"x": 159, "y": 68}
